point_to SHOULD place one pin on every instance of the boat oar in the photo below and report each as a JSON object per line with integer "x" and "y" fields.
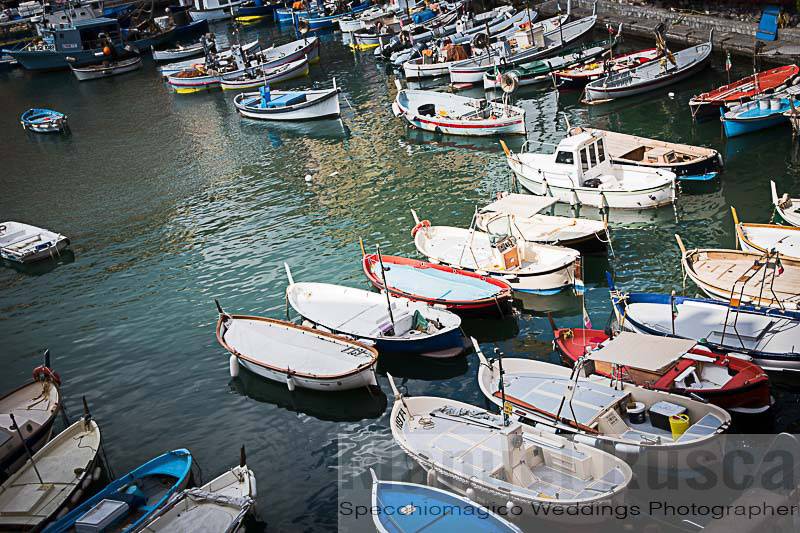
{"x": 25, "y": 445}
{"x": 386, "y": 289}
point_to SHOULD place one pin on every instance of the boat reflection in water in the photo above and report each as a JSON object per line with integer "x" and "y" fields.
{"x": 40, "y": 268}
{"x": 425, "y": 368}
{"x": 279, "y": 133}
{"x": 493, "y": 330}
{"x": 342, "y": 406}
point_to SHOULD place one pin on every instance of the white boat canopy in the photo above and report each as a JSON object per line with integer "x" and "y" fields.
{"x": 646, "y": 352}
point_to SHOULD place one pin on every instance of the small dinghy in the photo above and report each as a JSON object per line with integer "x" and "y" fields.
{"x": 788, "y": 208}
{"x": 678, "y": 366}
{"x": 394, "y": 325}
{"x": 266, "y": 76}
{"x": 458, "y": 115}
{"x": 671, "y": 68}
{"x": 580, "y": 172}
{"x": 762, "y": 113}
{"x": 179, "y": 52}
{"x": 578, "y": 77}
{"x": 219, "y": 505}
{"x": 498, "y": 462}
{"x": 685, "y": 160}
{"x": 746, "y": 277}
{"x": 34, "y": 406}
{"x": 520, "y": 215}
{"x": 624, "y": 417}
{"x": 41, "y": 120}
{"x": 296, "y": 355}
{"x": 53, "y": 480}
{"x": 528, "y": 267}
{"x": 767, "y": 335}
{"x": 404, "y": 507}
{"x": 23, "y": 243}
{"x": 106, "y": 69}
{"x": 226, "y": 54}
{"x": 462, "y": 292}
{"x": 763, "y": 238}
{"x": 129, "y": 501}
{"x": 710, "y": 103}
{"x": 289, "y": 105}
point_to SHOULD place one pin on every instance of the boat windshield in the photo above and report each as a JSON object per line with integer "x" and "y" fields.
{"x": 601, "y": 151}
{"x": 585, "y": 159}
{"x": 565, "y": 158}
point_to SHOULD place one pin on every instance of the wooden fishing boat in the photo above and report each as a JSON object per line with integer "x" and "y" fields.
{"x": 219, "y": 505}
{"x": 296, "y": 355}
{"x": 317, "y": 22}
{"x": 129, "y": 501}
{"x": 289, "y": 105}
{"x": 41, "y": 120}
{"x": 288, "y": 14}
{"x": 678, "y": 366}
{"x": 106, "y": 69}
{"x": 252, "y": 11}
{"x": 170, "y": 69}
{"x": 580, "y": 172}
{"x": 533, "y": 44}
{"x": 266, "y": 76}
{"x": 788, "y": 208}
{"x": 394, "y": 325}
{"x": 649, "y": 76}
{"x": 541, "y": 71}
{"x": 620, "y": 416}
{"x": 178, "y": 52}
{"x": 737, "y": 276}
{"x": 710, "y": 103}
{"x": 459, "y": 291}
{"x": 578, "y": 77}
{"x": 457, "y": 115}
{"x": 683, "y": 159}
{"x": 758, "y": 114}
{"x": 763, "y": 238}
{"x": 213, "y": 10}
{"x": 520, "y": 215}
{"x": 473, "y": 452}
{"x": 23, "y": 243}
{"x": 766, "y": 335}
{"x": 34, "y": 406}
{"x": 425, "y": 504}
{"x": 528, "y": 267}
{"x": 53, "y": 480}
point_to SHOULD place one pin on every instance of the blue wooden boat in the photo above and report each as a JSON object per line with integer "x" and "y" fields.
{"x": 287, "y": 14}
{"x": 404, "y": 507}
{"x": 756, "y": 115}
{"x": 255, "y": 10}
{"x": 768, "y": 335}
{"x": 41, "y": 120}
{"x": 127, "y": 502}
{"x": 316, "y": 23}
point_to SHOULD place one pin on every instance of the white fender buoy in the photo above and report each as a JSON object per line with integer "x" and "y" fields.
{"x": 76, "y": 497}
{"x": 585, "y": 439}
{"x": 671, "y": 94}
{"x": 308, "y": 178}
{"x": 471, "y": 493}
{"x": 96, "y": 473}
{"x": 627, "y": 449}
{"x": 253, "y": 488}
{"x": 431, "y": 478}
{"x": 290, "y": 383}
{"x": 510, "y": 506}
{"x": 86, "y": 482}
{"x": 233, "y": 362}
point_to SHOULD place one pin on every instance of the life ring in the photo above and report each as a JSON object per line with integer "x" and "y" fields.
{"x": 43, "y": 373}
{"x": 419, "y": 226}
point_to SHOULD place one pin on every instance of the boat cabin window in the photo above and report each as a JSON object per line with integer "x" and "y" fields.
{"x": 565, "y": 158}
{"x": 585, "y": 159}
{"x": 601, "y": 151}
{"x": 592, "y": 155}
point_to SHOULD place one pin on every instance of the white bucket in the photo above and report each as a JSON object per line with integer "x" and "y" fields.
{"x": 774, "y": 104}
{"x": 763, "y": 104}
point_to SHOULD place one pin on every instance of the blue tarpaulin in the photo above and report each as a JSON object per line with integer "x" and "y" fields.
{"x": 768, "y": 27}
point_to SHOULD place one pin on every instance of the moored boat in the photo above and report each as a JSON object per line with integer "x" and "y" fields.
{"x": 41, "y": 120}
{"x": 317, "y": 22}
{"x": 289, "y": 105}
{"x": 296, "y": 355}
{"x": 394, "y": 325}
{"x": 766, "y": 335}
{"x": 678, "y": 366}
{"x": 54, "y": 479}
{"x": 755, "y": 115}
{"x": 788, "y": 208}
{"x": 580, "y": 172}
{"x": 746, "y": 277}
{"x": 458, "y": 115}
{"x": 763, "y": 238}
{"x": 213, "y": 10}
{"x": 266, "y": 76}
{"x": 106, "y": 68}
{"x": 528, "y": 267}
{"x": 460, "y": 291}
{"x": 23, "y": 243}
{"x": 178, "y": 52}
{"x": 577, "y": 77}
{"x": 709, "y": 104}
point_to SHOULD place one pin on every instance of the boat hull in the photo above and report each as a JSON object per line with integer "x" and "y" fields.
{"x": 322, "y": 108}
{"x": 736, "y": 127}
{"x": 475, "y": 128}
{"x": 298, "y": 71}
{"x": 214, "y": 15}
{"x": 364, "y": 378}
{"x": 42, "y": 255}
{"x": 123, "y": 67}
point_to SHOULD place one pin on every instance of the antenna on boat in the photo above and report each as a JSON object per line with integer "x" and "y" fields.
{"x": 25, "y": 445}
{"x": 501, "y": 385}
{"x": 386, "y": 290}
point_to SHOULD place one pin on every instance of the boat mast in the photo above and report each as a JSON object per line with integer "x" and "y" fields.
{"x": 386, "y": 288}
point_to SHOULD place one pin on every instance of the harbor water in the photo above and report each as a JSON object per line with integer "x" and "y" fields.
{"x": 171, "y": 201}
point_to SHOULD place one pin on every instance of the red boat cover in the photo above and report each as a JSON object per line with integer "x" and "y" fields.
{"x": 751, "y": 86}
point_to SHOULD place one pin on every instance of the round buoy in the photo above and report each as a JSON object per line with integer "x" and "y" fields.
{"x": 96, "y": 473}
{"x": 234, "y": 366}
{"x": 671, "y": 94}
{"x": 106, "y": 51}
{"x": 290, "y": 383}
{"x": 253, "y": 488}
{"x": 431, "y": 478}
{"x": 308, "y": 178}
{"x": 470, "y": 493}
{"x": 510, "y": 506}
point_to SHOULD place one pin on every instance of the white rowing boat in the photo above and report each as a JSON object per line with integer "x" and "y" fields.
{"x": 23, "y": 243}
{"x": 177, "y": 53}
{"x": 266, "y": 76}
{"x": 762, "y": 238}
{"x": 289, "y": 105}
{"x": 788, "y": 208}
{"x": 107, "y": 69}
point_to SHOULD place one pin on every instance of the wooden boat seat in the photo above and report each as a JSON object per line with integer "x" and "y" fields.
{"x": 23, "y": 243}
{"x": 286, "y": 100}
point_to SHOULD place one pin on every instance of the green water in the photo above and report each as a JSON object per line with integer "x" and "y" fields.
{"x": 172, "y": 200}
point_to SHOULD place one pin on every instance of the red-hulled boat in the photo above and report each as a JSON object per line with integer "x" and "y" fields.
{"x": 578, "y": 77}
{"x": 465, "y": 293}
{"x": 674, "y": 365}
{"x": 767, "y": 81}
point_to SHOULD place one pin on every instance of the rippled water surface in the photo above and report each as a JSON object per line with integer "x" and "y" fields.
{"x": 172, "y": 200}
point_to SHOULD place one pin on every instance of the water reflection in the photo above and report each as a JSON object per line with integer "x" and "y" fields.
{"x": 424, "y": 368}
{"x": 40, "y": 268}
